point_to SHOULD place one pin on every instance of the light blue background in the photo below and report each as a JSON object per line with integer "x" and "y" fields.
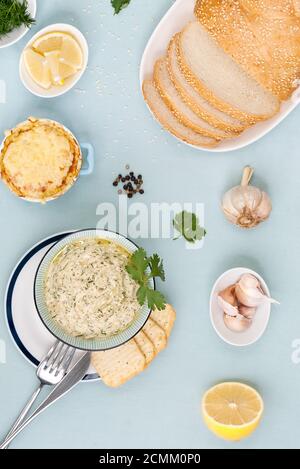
{"x": 160, "y": 408}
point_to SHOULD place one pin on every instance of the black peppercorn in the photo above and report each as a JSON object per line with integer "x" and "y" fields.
{"x": 132, "y": 184}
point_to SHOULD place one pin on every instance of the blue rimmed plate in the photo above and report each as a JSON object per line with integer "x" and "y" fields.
{"x": 95, "y": 344}
{"x": 28, "y": 332}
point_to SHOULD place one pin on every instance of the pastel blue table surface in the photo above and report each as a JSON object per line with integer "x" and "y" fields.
{"x": 161, "y": 407}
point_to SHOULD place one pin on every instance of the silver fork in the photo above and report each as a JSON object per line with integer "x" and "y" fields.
{"x": 50, "y": 371}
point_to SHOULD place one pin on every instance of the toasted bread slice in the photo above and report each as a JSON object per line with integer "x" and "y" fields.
{"x": 165, "y": 318}
{"x": 263, "y": 36}
{"x": 120, "y": 364}
{"x": 178, "y": 106}
{"x": 146, "y": 346}
{"x": 156, "y": 334}
{"x": 169, "y": 121}
{"x": 197, "y": 103}
{"x": 219, "y": 79}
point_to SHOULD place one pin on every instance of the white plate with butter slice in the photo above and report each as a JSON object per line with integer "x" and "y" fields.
{"x": 175, "y": 19}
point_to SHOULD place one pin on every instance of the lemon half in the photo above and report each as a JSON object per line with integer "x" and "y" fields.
{"x": 232, "y": 410}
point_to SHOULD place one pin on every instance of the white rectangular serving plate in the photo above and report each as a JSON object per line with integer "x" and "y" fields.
{"x": 174, "y": 20}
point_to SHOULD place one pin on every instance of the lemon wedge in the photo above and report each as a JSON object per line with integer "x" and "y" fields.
{"x": 52, "y": 59}
{"x": 48, "y": 42}
{"x": 38, "y": 68}
{"x": 71, "y": 53}
{"x": 60, "y": 71}
{"x": 232, "y": 410}
{"x": 65, "y": 71}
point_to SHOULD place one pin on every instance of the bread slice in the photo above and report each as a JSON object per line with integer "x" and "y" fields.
{"x": 117, "y": 366}
{"x": 165, "y": 318}
{"x": 168, "y": 120}
{"x": 219, "y": 79}
{"x": 200, "y": 106}
{"x": 263, "y": 36}
{"x": 156, "y": 334}
{"x": 146, "y": 346}
{"x": 181, "y": 110}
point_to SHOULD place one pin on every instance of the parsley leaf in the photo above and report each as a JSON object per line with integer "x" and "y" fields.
{"x": 118, "y": 5}
{"x": 142, "y": 295}
{"x": 137, "y": 269}
{"x": 157, "y": 268}
{"x": 137, "y": 266}
{"x": 187, "y": 225}
{"x": 156, "y": 300}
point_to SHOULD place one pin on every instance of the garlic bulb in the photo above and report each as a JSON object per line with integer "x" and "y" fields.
{"x": 237, "y": 323}
{"x": 249, "y": 292}
{"x": 244, "y": 205}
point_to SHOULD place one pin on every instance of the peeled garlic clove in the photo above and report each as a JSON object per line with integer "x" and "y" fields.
{"x": 228, "y": 294}
{"x": 244, "y": 205}
{"x": 247, "y": 312}
{"x": 227, "y": 307}
{"x": 249, "y": 292}
{"x": 249, "y": 281}
{"x": 237, "y": 323}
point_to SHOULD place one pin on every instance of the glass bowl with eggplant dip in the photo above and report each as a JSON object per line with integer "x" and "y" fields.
{"x": 84, "y": 294}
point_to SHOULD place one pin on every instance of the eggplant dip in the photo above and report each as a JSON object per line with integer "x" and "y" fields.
{"x": 88, "y": 291}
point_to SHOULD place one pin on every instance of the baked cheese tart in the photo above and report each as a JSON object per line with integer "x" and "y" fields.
{"x": 40, "y": 160}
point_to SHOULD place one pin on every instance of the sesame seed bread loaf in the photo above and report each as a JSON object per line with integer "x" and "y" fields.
{"x": 199, "y": 105}
{"x": 263, "y": 36}
{"x": 180, "y": 109}
{"x": 219, "y": 79}
{"x": 169, "y": 121}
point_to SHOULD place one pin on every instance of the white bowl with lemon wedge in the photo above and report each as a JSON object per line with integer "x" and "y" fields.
{"x": 54, "y": 60}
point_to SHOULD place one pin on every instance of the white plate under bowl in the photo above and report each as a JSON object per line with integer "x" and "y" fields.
{"x": 18, "y": 33}
{"x": 28, "y": 332}
{"x": 261, "y": 317}
{"x": 175, "y": 19}
{"x": 53, "y": 92}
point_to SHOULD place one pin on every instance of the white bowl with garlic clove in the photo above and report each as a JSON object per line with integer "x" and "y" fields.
{"x": 240, "y": 306}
